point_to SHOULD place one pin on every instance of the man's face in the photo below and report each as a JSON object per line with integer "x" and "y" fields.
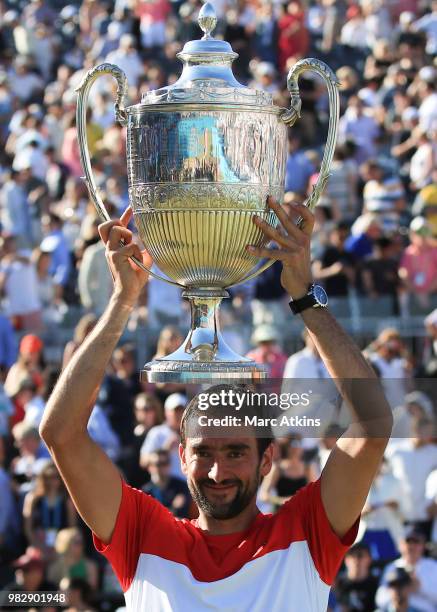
{"x": 223, "y": 474}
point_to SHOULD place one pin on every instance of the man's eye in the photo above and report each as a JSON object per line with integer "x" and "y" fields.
{"x": 235, "y": 454}
{"x": 202, "y": 454}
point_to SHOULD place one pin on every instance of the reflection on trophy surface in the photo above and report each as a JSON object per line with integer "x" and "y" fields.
{"x": 203, "y": 156}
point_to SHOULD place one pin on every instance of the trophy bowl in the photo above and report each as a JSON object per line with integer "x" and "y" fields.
{"x": 203, "y": 156}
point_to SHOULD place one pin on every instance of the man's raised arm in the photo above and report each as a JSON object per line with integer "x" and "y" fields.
{"x": 93, "y": 482}
{"x": 352, "y": 465}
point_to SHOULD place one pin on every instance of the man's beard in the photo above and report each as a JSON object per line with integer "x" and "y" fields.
{"x": 225, "y": 510}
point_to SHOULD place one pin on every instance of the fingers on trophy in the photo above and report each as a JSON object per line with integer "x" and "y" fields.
{"x": 204, "y": 156}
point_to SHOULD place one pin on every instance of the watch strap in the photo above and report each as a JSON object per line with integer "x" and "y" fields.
{"x": 307, "y": 301}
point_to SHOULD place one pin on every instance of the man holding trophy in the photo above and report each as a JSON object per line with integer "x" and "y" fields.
{"x": 206, "y": 168}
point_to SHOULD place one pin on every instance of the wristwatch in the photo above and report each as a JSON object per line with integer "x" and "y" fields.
{"x": 315, "y": 298}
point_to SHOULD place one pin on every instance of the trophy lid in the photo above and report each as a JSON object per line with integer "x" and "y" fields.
{"x": 207, "y": 75}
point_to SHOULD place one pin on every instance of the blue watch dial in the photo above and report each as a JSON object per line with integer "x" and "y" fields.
{"x": 320, "y": 295}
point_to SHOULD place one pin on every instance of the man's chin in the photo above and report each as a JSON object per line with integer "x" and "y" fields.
{"x": 220, "y": 505}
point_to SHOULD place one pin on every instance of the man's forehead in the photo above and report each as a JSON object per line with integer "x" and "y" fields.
{"x": 221, "y": 443}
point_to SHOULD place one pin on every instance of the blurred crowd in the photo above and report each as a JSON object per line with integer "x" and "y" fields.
{"x": 374, "y": 244}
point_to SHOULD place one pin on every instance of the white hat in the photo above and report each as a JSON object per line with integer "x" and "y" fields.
{"x": 175, "y": 400}
{"x": 428, "y": 74}
{"x": 419, "y": 225}
{"x": 410, "y": 114}
{"x": 420, "y": 398}
{"x": 265, "y": 333}
{"x": 406, "y": 17}
{"x": 265, "y": 69}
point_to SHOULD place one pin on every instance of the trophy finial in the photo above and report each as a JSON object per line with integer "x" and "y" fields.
{"x": 207, "y": 20}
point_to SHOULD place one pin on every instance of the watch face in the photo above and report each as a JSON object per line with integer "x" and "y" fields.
{"x": 320, "y": 295}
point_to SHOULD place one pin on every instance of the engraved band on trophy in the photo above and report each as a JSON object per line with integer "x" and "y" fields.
{"x": 203, "y": 155}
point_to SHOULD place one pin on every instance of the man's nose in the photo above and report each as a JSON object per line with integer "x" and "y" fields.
{"x": 216, "y": 471}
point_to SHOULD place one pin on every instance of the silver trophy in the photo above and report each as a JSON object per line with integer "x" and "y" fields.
{"x": 203, "y": 155}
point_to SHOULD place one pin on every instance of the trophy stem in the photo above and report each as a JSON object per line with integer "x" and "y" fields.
{"x": 204, "y": 355}
{"x": 203, "y": 338}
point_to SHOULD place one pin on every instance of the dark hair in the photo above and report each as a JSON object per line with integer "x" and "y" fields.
{"x": 383, "y": 242}
{"x": 192, "y": 412}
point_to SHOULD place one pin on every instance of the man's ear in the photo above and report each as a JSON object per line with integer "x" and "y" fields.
{"x": 183, "y": 460}
{"x": 266, "y": 460}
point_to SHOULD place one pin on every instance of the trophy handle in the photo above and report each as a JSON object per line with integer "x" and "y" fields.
{"x": 121, "y": 116}
{"x": 289, "y": 116}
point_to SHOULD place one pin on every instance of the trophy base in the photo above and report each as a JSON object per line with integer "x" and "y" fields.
{"x": 186, "y": 372}
{"x": 204, "y": 357}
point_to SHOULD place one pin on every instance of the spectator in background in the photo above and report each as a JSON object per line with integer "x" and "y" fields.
{"x": 424, "y": 159}
{"x": 421, "y": 570}
{"x": 265, "y": 34}
{"x": 428, "y": 97}
{"x": 164, "y": 302}
{"x": 169, "y": 340}
{"x": 354, "y": 31}
{"x": 152, "y": 16}
{"x": 412, "y": 462}
{"x": 336, "y": 266}
{"x": 383, "y": 192}
{"x": 27, "y": 366}
{"x": 360, "y": 126}
{"x": 268, "y": 351}
{"x": 355, "y": 590}
{"x": 46, "y": 510}
{"x": 418, "y": 266}
{"x": 389, "y": 356}
{"x": 267, "y": 303}
{"x": 287, "y": 475}
{"x": 417, "y": 405}
{"x": 55, "y": 243}
{"x": 166, "y": 436}
{"x": 148, "y": 413}
{"x": 116, "y": 400}
{"x": 380, "y": 272}
{"x": 8, "y": 345}
{"x": 425, "y": 203}
{"x": 15, "y": 209}
{"x": 70, "y": 148}
{"x": 171, "y": 491}
{"x": 293, "y": 38}
{"x": 71, "y": 561}
{"x": 128, "y": 59}
{"x": 30, "y": 573}
{"x": 343, "y": 183}
{"x": 8, "y": 526}
{"x": 83, "y": 328}
{"x": 365, "y": 230}
{"x": 32, "y": 156}
{"x": 431, "y": 498}
{"x": 34, "y": 408}
{"x": 6, "y": 411}
{"x": 95, "y": 282}
{"x": 25, "y": 84}
{"x": 429, "y": 359}
{"x": 306, "y": 363}
{"x": 299, "y": 168}
{"x": 78, "y": 594}
{"x": 428, "y": 24}
{"x": 382, "y": 521}
{"x": 400, "y": 585}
